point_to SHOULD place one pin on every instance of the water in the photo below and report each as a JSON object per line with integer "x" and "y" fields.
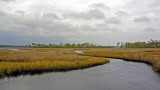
{"x": 13, "y": 48}
{"x": 9, "y": 48}
{"x": 116, "y": 75}
{"x": 79, "y": 51}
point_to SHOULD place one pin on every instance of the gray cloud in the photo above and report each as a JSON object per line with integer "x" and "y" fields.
{"x": 99, "y": 5}
{"x": 142, "y": 19}
{"x": 77, "y": 20}
{"x": 30, "y": 26}
{"x": 149, "y": 29}
{"x": 21, "y": 12}
{"x": 87, "y": 28}
{"x": 74, "y": 15}
{"x": 7, "y": 0}
{"x": 121, "y": 13}
{"x": 113, "y": 20}
{"x": 101, "y": 25}
{"x": 2, "y": 13}
{"x": 115, "y": 30}
{"x": 51, "y": 15}
{"x": 21, "y": 39}
{"x": 108, "y": 28}
{"x": 94, "y": 13}
{"x": 111, "y": 29}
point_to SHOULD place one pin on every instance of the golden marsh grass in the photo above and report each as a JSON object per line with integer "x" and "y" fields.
{"x": 147, "y": 55}
{"x": 26, "y": 61}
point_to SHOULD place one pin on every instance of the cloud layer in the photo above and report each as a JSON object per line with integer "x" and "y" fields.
{"x": 76, "y": 21}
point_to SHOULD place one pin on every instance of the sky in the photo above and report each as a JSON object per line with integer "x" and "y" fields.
{"x": 104, "y": 22}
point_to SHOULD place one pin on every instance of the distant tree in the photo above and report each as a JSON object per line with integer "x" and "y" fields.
{"x": 67, "y": 45}
{"x": 148, "y": 44}
{"x": 118, "y": 44}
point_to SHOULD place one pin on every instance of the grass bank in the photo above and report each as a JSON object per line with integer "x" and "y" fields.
{"x": 146, "y": 55}
{"x": 32, "y": 61}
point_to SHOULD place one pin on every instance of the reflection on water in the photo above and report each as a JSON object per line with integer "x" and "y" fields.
{"x": 117, "y": 75}
{"x": 13, "y": 49}
{"x": 79, "y": 51}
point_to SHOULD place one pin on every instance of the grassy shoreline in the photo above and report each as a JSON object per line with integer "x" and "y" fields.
{"x": 146, "y": 55}
{"x": 59, "y": 67}
{"x": 41, "y": 60}
{"x": 35, "y": 61}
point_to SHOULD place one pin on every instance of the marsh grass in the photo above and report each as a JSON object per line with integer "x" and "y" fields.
{"x": 147, "y": 55}
{"x": 27, "y": 61}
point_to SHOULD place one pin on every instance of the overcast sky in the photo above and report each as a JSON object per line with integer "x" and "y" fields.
{"x": 104, "y": 22}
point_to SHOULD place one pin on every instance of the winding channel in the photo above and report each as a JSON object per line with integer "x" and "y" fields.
{"x": 116, "y": 75}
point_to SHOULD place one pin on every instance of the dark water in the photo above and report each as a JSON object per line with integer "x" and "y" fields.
{"x": 117, "y": 75}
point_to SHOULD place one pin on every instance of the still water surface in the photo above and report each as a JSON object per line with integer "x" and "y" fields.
{"x": 116, "y": 75}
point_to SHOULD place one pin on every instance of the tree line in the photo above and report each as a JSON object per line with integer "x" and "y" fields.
{"x": 144, "y": 44}
{"x": 67, "y": 45}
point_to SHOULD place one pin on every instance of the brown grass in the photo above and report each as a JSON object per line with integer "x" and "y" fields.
{"x": 26, "y": 61}
{"x": 147, "y": 55}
